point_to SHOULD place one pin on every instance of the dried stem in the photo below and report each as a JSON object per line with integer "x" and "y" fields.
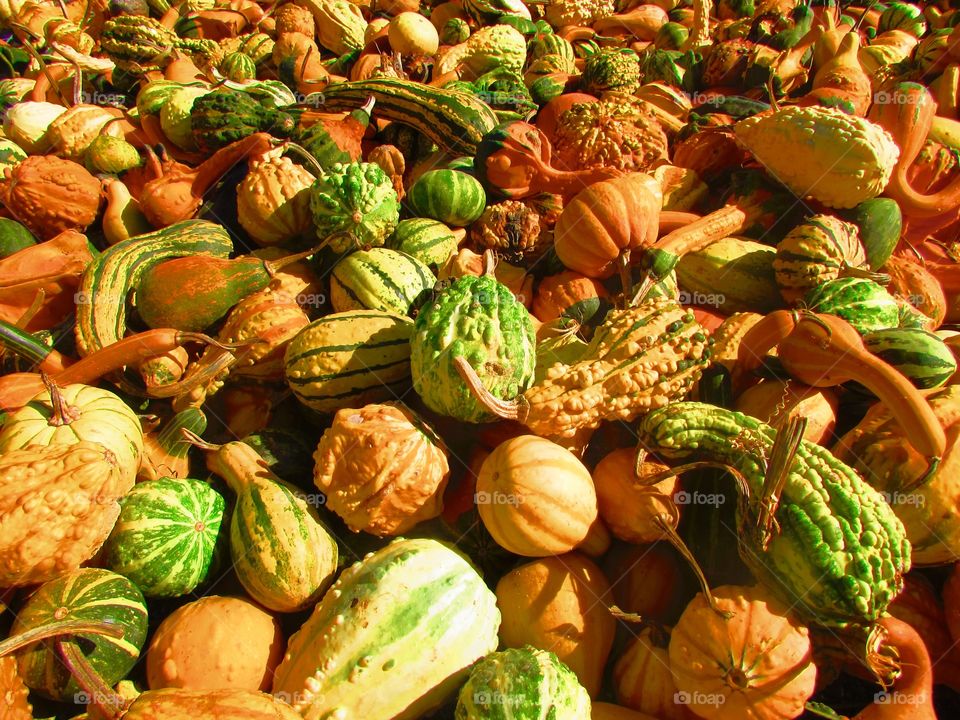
{"x": 507, "y": 409}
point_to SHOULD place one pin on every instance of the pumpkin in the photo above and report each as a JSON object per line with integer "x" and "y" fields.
{"x": 64, "y": 416}
{"x": 535, "y": 497}
{"x": 643, "y": 681}
{"x": 755, "y": 664}
{"x": 602, "y": 223}
{"x": 273, "y": 200}
{"x": 653, "y": 580}
{"x": 776, "y": 401}
{"x": 175, "y": 704}
{"x": 215, "y": 643}
{"x": 560, "y": 604}
{"x": 919, "y": 604}
{"x": 557, "y": 293}
{"x": 382, "y": 469}
{"x": 915, "y": 285}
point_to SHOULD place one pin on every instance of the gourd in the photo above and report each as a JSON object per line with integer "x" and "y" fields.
{"x": 639, "y": 359}
{"x": 558, "y": 293}
{"x": 50, "y": 195}
{"x": 340, "y": 24}
{"x": 63, "y": 416}
{"x": 450, "y": 196}
{"x": 381, "y": 468}
{"x": 863, "y": 303}
{"x": 26, "y": 123}
{"x": 531, "y": 512}
{"x": 814, "y": 493}
{"x": 608, "y": 711}
{"x": 90, "y": 598}
{"x": 14, "y": 702}
{"x": 643, "y": 679}
{"x": 166, "y": 537}
{"x": 912, "y": 283}
{"x": 223, "y": 116}
{"x": 776, "y": 401}
{"x": 71, "y": 491}
{"x": 528, "y": 681}
{"x": 755, "y": 664}
{"x": 379, "y": 279}
{"x": 177, "y": 704}
{"x": 354, "y": 205}
{"x": 141, "y": 44}
{"x": 560, "y": 604}
{"x": 375, "y": 622}
{"x": 603, "y": 223}
{"x": 215, "y": 643}
{"x": 918, "y": 354}
{"x": 731, "y": 275}
{"x": 273, "y": 200}
{"x": 478, "y": 320}
{"x": 336, "y": 139}
{"x": 176, "y": 116}
{"x": 411, "y": 33}
{"x": 847, "y": 159}
{"x": 72, "y": 132}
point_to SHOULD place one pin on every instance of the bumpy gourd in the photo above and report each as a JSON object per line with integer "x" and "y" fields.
{"x": 223, "y": 116}
{"x": 140, "y": 44}
{"x": 273, "y": 200}
{"x": 611, "y": 69}
{"x": 840, "y": 553}
{"x": 354, "y": 205}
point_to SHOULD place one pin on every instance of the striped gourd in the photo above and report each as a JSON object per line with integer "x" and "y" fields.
{"x": 861, "y": 302}
{"x": 379, "y": 279}
{"x": 479, "y": 319}
{"x": 347, "y": 358}
{"x": 519, "y": 683}
{"x": 906, "y": 17}
{"x": 920, "y": 355}
{"x": 820, "y": 248}
{"x": 166, "y": 537}
{"x": 454, "y": 120}
{"x": 361, "y": 654}
{"x": 281, "y": 551}
{"x": 450, "y": 196}
{"x": 430, "y": 241}
{"x": 87, "y": 594}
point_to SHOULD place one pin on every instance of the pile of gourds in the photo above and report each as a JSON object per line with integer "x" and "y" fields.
{"x": 393, "y": 359}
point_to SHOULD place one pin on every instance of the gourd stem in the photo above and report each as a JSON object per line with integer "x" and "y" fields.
{"x": 63, "y": 413}
{"x": 201, "y": 377}
{"x": 623, "y": 265}
{"x": 507, "y": 409}
{"x": 197, "y": 441}
{"x": 274, "y": 266}
{"x": 33, "y": 309}
{"x": 315, "y": 168}
{"x": 56, "y": 629}
{"x": 780, "y": 463}
{"x": 104, "y": 702}
{"x": 855, "y": 272}
{"x": 489, "y": 263}
{"x": 670, "y": 535}
{"x": 743, "y": 487}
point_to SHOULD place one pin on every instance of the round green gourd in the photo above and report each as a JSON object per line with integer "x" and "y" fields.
{"x": 88, "y": 594}
{"x": 175, "y": 116}
{"x": 522, "y": 683}
{"x": 11, "y": 154}
{"x": 13, "y": 237}
{"x": 920, "y": 355}
{"x": 354, "y": 206}
{"x": 238, "y": 66}
{"x": 429, "y": 241}
{"x": 379, "y": 279}
{"x": 880, "y": 222}
{"x": 866, "y": 305}
{"x": 479, "y": 319}
{"x": 450, "y": 196}
{"x": 166, "y": 537}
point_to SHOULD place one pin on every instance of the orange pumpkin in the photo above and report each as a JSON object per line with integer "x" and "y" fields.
{"x": 549, "y": 116}
{"x": 556, "y": 293}
{"x": 14, "y": 704}
{"x": 754, "y": 665}
{"x": 535, "y": 497}
{"x": 605, "y": 221}
{"x": 913, "y": 283}
{"x": 626, "y": 505}
{"x": 643, "y": 681}
{"x": 560, "y": 604}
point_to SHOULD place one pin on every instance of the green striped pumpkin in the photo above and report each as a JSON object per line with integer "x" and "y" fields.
{"x": 89, "y": 594}
{"x": 379, "y": 279}
{"x": 902, "y": 16}
{"x": 393, "y": 638}
{"x": 166, "y": 537}
{"x": 863, "y": 303}
{"x": 429, "y": 241}
{"x": 479, "y": 319}
{"x": 920, "y": 355}
{"x": 450, "y": 196}
{"x": 522, "y": 683}
{"x": 342, "y": 359}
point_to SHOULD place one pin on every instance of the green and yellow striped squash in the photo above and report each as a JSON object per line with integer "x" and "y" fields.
{"x": 520, "y": 683}
{"x": 919, "y": 354}
{"x": 477, "y": 318}
{"x": 379, "y": 279}
{"x": 89, "y": 594}
{"x": 861, "y": 302}
{"x": 347, "y": 358}
{"x": 393, "y": 638}
{"x": 450, "y": 196}
{"x": 166, "y": 537}
{"x": 429, "y": 241}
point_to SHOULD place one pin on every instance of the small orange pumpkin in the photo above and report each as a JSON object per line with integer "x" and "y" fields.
{"x": 643, "y": 681}
{"x": 626, "y": 505}
{"x": 556, "y": 293}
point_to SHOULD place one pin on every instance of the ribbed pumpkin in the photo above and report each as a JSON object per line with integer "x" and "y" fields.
{"x": 560, "y": 604}
{"x": 273, "y": 200}
{"x": 215, "y": 643}
{"x": 754, "y": 665}
{"x": 643, "y": 681}
{"x": 626, "y": 505}
{"x": 88, "y": 594}
{"x": 379, "y": 279}
{"x": 166, "y": 537}
{"x": 73, "y": 413}
{"x": 535, "y": 497}
{"x": 605, "y": 221}
{"x": 176, "y": 704}
{"x": 557, "y": 293}
{"x": 382, "y": 469}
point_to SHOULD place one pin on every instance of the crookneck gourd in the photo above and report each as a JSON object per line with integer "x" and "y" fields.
{"x": 639, "y": 359}
{"x": 829, "y": 544}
